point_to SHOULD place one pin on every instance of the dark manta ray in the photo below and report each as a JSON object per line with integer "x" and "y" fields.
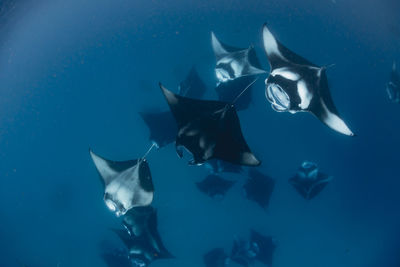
{"x": 259, "y": 188}
{"x": 259, "y": 248}
{"x": 162, "y": 125}
{"x": 295, "y": 84}
{"x": 192, "y": 86}
{"x": 309, "y": 181}
{"x": 216, "y": 258}
{"x": 214, "y": 186}
{"x": 393, "y": 86}
{"x": 127, "y": 184}
{"x": 233, "y": 62}
{"x": 227, "y": 91}
{"x": 208, "y": 130}
{"x": 147, "y": 246}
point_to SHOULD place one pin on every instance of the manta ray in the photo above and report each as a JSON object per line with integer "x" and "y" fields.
{"x": 309, "y": 181}
{"x": 295, "y": 84}
{"x": 232, "y": 62}
{"x": 208, "y": 129}
{"x": 127, "y": 184}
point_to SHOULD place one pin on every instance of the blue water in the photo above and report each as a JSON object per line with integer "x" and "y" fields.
{"x": 74, "y": 74}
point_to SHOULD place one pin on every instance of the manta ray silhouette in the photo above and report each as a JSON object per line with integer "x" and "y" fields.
{"x": 309, "y": 181}
{"x": 208, "y": 130}
{"x": 233, "y": 62}
{"x": 295, "y": 84}
{"x": 127, "y": 184}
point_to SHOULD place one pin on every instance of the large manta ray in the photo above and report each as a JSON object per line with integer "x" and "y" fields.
{"x": 209, "y": 130}
{"x": 295, "y": 84}
{"x": 393, "y": 86}
{"x": 309, "y": 181}
{"x": 145, "y": 246}
{"x": 127, "y": 184}
{"x": 233, "y": 62}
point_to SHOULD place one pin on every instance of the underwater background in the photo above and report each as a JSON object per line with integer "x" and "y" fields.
{"x": 74, "y": 74}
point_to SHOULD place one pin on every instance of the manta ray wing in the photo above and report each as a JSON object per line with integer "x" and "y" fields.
{"x": 108, "y": 169}
{"x": 220, "y": 49}
{"x": 324, "y": 109}
{"x": 230, "y": 144}
{"x": 278, "y": 55}
{"x": 186, "y": 109}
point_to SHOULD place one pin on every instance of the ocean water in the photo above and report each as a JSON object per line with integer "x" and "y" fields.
{"x": 74, "y": 74}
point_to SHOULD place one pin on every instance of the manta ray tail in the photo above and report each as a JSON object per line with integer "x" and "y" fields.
{"x": 244, "y": 90}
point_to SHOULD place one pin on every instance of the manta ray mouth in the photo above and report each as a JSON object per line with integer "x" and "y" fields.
{"x": 114, "y": 207}
{"x": 309, "y": 170}
{"x": 278, "y": 98}
{"x": 111, "y": 205}
{"x": 222, "y": 75}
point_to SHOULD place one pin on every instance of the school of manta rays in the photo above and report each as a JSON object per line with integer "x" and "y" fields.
{"x": 209, "y": 133}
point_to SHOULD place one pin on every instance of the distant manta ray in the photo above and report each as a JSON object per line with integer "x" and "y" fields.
{"x": 295, "y": 84}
